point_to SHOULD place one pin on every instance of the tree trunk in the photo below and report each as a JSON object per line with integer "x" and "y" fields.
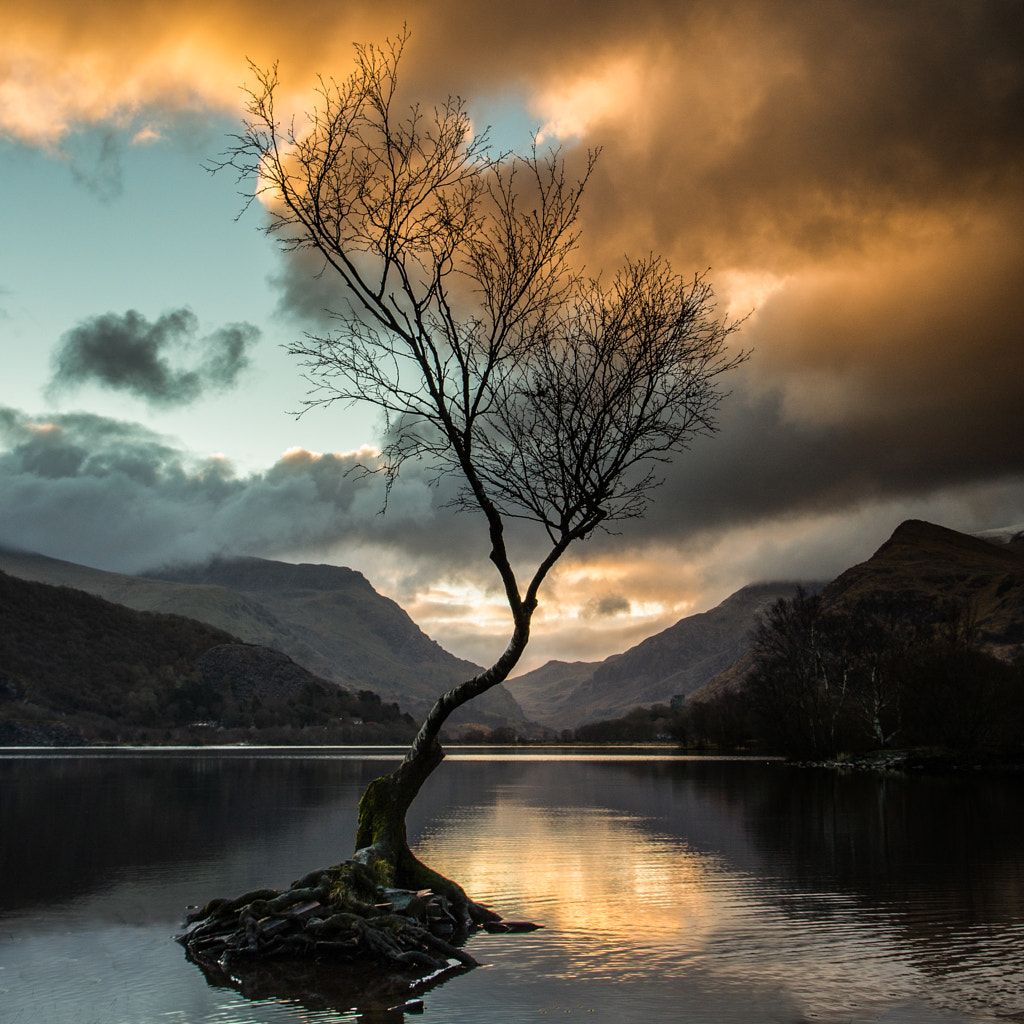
{"x": 381, "y": 840}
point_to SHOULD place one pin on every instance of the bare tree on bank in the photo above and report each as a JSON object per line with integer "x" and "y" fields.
{"x": 552, "y": 396}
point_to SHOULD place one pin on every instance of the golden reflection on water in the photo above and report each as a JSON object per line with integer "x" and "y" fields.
{"x": 580, "y": 870}
{"x": 620, "y": 900}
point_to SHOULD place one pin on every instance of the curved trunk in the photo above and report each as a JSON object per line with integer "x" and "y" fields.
{"x": 381, "y": 839}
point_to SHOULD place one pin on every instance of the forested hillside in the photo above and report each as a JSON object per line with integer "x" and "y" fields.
{"x": 77, "y": 669}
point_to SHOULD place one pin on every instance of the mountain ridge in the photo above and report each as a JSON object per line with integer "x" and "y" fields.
{"x": 921, "y": 560}
{"x": 307, "y": 622}
{"x": 673, "y": 663}
{"x": 78, "y": 669}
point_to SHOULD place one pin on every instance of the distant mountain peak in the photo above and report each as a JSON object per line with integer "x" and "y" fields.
{"x": 246, "y": 572}
{"x": 933, "y": 551}
{"x": 922, "y": 561}
{"x": 921, "y": 532}
{"x": 677, "y": 661}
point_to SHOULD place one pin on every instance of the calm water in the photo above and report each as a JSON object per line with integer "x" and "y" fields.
{"x": 688, "y": 890}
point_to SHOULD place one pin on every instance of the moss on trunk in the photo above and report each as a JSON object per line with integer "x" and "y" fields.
{"x": 382, "y": 841}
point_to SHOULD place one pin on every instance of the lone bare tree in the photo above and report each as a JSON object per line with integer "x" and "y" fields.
{"x": 551, "y": 395}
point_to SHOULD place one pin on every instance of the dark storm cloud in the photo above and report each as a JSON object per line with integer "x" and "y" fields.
{"x": 125, "y": 352}
{"x": 782, "y": 132}
{"x": 765, "y": 463}
{"x": 876, "y": 382}
{"x": 117, "y": 495}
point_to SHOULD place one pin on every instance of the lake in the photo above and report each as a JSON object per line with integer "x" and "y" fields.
{"x": 670, "y": 888}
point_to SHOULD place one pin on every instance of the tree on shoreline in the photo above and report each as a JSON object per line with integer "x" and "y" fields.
{"x": 849, "y": 676}
{"x": 550, "y": 395}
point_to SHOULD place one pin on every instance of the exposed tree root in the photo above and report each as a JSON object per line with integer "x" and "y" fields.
{"x": 339, "y": 913}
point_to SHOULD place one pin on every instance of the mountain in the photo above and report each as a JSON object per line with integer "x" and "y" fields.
{"x": 328, "y": 619}
{"x": 677, "y": 661}
{"x": 924, "y": 561}
{"x": 359, "y": 636}
{"x": 75, "y": 668}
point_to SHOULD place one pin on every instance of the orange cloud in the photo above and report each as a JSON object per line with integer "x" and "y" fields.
{"x": 743, "y": 133}
{"x": 56, "y": 81}
{"x": 66, "y": 66}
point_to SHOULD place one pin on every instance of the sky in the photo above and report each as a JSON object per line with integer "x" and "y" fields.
{"x": 851, "y": 173}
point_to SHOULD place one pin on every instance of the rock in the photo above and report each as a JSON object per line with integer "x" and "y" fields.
{"x": 402, "y": 901}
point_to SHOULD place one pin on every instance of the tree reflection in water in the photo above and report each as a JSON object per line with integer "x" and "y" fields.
{"x": 374, "y": 995}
